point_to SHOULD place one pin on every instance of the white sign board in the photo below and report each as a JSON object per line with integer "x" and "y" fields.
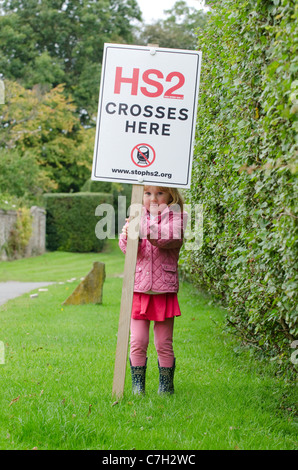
{"x": 146, "y": 115}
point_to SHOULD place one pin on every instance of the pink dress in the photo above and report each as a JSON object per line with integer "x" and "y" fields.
{"x": 155, "y": 307}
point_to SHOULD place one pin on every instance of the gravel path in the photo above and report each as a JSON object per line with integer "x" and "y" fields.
{"x": 11, "y": 289}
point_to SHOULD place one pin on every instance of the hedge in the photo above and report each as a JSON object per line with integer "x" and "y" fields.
{"x": 118, "y": 190}
{"x": 71, "y": 221}
{"x": 245, "y": 171}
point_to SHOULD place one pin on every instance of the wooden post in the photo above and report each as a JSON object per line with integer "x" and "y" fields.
{"x": 127, "y": 288}
{"x": 127, "y": 291}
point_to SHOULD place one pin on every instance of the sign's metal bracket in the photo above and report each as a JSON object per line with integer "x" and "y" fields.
{"x": 153, "y": 48}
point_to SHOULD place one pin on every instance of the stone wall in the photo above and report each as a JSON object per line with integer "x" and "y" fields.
{"x": 37, "y": 242}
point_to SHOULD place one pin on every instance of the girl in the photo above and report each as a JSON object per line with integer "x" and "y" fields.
{"x": 156, "y": 283}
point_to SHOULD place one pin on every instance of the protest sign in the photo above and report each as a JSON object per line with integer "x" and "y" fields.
{"x": 146, "y": 115}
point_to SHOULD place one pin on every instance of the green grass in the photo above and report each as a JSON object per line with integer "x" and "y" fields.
{"x": 61, "y": 266}
{"x": 56, "y": 383}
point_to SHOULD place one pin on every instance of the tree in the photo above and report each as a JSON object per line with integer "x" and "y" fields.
{"x": 21, "y": 176}
{"x": 42, "y": 129}
{"x": 55, "y": 41}
{"x": 178, "y": 30}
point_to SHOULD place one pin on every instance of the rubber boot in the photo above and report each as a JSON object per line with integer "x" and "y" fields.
{"x": 138, "y": 377}
{"x": 166, "y": 379}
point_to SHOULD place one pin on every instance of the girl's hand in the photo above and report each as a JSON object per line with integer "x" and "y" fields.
{"x": 125, "y": 228}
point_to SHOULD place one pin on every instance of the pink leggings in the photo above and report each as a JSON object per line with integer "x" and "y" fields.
{"x": 163, "y": 341}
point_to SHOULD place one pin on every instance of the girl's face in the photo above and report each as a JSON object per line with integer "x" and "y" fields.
{"x": 154, "y": 197}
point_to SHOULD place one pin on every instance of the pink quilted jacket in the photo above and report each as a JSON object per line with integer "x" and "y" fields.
{"x": 158, "y": 251}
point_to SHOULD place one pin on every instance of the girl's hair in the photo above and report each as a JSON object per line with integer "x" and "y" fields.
{"x": 176, "y": 197}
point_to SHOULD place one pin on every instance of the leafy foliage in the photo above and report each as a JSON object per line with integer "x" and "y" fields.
{"x": 54, "y": 42}
{"x": 245, "y": 169}
{"x": 50, "y": 55}
{"x": 178, "y": 30}
{"x": 44, "y": 146}
{"x": 20, "y": 234}
{"x": 22, "y": 177}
